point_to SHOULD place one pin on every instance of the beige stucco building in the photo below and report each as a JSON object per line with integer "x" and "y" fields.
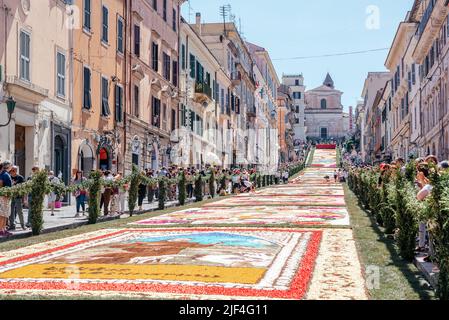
{"x": 99, "y": 84}
{"x": 35, "y": 69}
{"x": 324, "y": 112}
{"x": 200, "y": 94}
{"x": 152, "y": 100}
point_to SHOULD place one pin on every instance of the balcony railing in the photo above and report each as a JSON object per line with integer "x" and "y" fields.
{"x": 251, "y": 111}
{"x": 236, "y": 78}
{"x": 203, "y": 88}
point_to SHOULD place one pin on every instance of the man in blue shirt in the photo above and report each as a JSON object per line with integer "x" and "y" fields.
{"x": 5, "y": 202}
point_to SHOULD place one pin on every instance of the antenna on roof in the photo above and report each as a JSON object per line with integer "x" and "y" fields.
{"x": 224, "y": 12}
{"x": 190, "y": 12}
{"x": 242, "y": 34}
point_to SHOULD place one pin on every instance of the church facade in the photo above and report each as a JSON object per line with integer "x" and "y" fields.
{"x": 324, "y": 117}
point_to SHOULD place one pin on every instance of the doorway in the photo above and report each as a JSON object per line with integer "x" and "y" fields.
{"x": 20, "y": 148}
{"x": 105, "y": 163}
{"x": 323, "y": 133}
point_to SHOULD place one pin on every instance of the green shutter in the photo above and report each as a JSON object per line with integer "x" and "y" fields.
{"x": 192, "y": 66}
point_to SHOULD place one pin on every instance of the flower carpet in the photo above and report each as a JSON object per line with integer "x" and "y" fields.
{"x": 229, "y": 249}
{"x": 262, "y": 215}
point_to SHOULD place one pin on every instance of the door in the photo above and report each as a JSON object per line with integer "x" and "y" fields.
{"x": 19, "y": 155}
{"x": 323, "y": 133}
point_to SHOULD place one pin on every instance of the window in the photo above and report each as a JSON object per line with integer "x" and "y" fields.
{"x": 222, "y": 96}
{"x": 183, "y": 57}
{"x": 192, "y": 66}
{"x": 166, "y": 66}
{"x": 164, "y": 12}
{"x": 296, "y": 82}
{"x": 24, "y": 56}
{"x": 135, "y": 159}
{"x": 155, "y": 56}
{"x": 156, "y": 121}
{"x": 155, "y": 5}
{"x": 173, "y": 120}
{"x": 120, "y": 28}
{"x": 183, "y": 115}
{"x": 297, "y": 109}
{"x": 136, "y": 101}
{"x": 87, "y": 14}
{"x": 175, "y": 73}
{"x": 323, "y": 104}
{"x": 323, "y": 133}
{"x": 137, "y": 40}
{"x": 104, "y": 36}
{"x": 87, "y": 98}
{"x": 118, "y": 103}
{"x": 164, "y": 116}
{"x": 297, "y": 95}
{"x": 175, "y": 21}
{"x": 60, "y": 74}
{"x": 105, "y": 111}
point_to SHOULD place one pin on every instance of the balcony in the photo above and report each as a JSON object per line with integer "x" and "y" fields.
{"x": 251, "y": 111}
{"x": 236, "y": 78}
{"x": 203, "y": 93}
{"x": 433, "y": 18}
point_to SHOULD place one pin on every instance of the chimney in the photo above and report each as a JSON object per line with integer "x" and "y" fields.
{"x": 198, "y": 22}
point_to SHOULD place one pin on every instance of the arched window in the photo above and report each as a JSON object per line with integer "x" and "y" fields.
{"x": 323, "y": 104}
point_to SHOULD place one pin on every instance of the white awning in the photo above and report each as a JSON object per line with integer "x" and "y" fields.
{"x": 212, "y": 158}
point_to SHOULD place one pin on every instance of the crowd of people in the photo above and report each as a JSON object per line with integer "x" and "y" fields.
{"x": 423, "y": 189}
{"x": 113, "y": 199}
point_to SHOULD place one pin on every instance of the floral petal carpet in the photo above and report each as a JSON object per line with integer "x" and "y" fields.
{"x": 229, "y": 249}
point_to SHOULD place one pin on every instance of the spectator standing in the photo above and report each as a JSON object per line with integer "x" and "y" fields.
{"x": 52, "y": 197}
{"x": 80, "y": 193}
{"x": 16, "y": 203}
{"x": 5, "y": 202}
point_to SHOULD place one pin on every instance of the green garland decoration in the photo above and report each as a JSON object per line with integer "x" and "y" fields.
{"x": 39, "y": 188}
{"x": 182, "y": 189}
{"x": 198, "y": 189}
{"x": 162, "y": 192}
{"x": 95, "y": 196}
{"x": 134, "y": 189}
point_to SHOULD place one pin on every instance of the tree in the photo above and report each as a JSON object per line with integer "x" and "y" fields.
{"x": 94, "y": 196}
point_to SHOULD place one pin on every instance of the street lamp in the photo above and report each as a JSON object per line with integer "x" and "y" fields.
{"x": 11, "y": 105}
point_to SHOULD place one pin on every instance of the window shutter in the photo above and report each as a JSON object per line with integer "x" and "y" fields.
{"x": 192, "y": 66}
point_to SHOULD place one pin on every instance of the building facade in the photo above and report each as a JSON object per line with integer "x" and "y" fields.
{"x": 296, "y": 83}
{"x": 264, "y": 127}
{"x": 324, "y": 112}
{"x": 286, "y": 123}
{"x": 228, "y": 47}
{"x": 35, "y": 70}
{"x": 152, "y": 72}
{"x": 98, "y": 86}
{"x": 372, "y": 90}
{"x": 200, "y": 102}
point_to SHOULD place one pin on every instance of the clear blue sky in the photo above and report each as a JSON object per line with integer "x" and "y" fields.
{"x": 298, "y": 28}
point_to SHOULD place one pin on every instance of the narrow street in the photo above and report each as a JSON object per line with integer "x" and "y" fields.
{"x": 286, "y": 242}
